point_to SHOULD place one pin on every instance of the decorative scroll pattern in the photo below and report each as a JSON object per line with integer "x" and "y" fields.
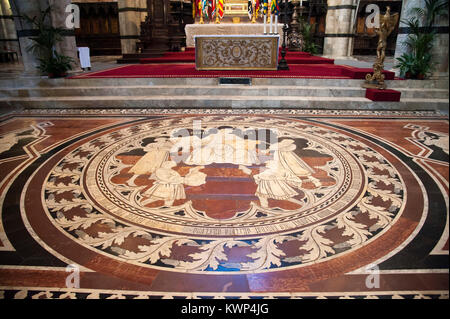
{"x": 227, "y": 53}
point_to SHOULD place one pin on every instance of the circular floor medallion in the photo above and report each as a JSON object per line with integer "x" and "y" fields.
{"x": 223, "y": 194}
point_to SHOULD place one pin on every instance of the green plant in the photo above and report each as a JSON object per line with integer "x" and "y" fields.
{"x": 432, "y": 10}
{"x": 56, "y": 65}
{"x": 308, "y": 37}
{"x": 407, "y": 65}
{"x": 44, "y": 43}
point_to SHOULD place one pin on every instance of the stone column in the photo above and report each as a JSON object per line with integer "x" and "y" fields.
{"x": 68, "y": 46}
{"x": 8, "y": 34}
{"x": 440, "y": 48}
{"x": 130, "y": 18}
{"x": 26, "y": 30}
{"x": 339, "y": 28}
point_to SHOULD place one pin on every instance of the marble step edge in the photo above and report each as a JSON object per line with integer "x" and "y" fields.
{"x": 209, "y": 86}
{"x": 180, "y": 90}
{"x": 25, "y": 82}
{"x": 255, "y": 104}
{"x": 205, "y": 97}
{"x": 213, "y": 102}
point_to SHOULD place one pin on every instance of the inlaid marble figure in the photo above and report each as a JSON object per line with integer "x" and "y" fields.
{"x": 156, "y": 154}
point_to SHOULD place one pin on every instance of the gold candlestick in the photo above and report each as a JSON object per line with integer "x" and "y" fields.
{"x": 254, "y": 12}
{"x": 388, "y": 22}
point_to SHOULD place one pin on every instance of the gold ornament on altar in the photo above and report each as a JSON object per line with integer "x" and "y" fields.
{"x": 388, "y": 22}
{"x": 253, "y": 11}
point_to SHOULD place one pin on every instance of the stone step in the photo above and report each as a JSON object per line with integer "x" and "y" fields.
{"x": 225, "y": 101}
{"x": 181, "y": 90}
{"x": 424, "y": 93}
{"x": 33, "y": 82}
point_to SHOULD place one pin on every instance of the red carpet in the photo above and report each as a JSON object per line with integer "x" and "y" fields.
{"x": 189, "y": 57}
{"x": 317, "y": 71}
{"x": 383, "y": 95}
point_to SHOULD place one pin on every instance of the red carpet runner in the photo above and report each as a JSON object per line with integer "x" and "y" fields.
{"x": 182, "y": 65}
{"x": 315, "y": 71}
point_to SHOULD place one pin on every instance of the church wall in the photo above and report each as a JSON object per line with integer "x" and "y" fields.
{"x": 99, "y": 28}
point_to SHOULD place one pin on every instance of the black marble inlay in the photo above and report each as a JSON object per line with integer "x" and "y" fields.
{"x": 235, "y": 81}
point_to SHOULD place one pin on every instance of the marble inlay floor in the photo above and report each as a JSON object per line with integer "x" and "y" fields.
{"x": 201, "y": 204}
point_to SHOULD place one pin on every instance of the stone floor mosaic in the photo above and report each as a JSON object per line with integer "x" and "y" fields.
{"x": 233, "y": 204}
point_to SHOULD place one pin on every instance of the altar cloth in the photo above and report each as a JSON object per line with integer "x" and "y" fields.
{"x": 193, "y": 30}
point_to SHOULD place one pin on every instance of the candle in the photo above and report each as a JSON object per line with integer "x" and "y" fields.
{"x": 276, "y": 24}
{"x": 301, "y": 3}
{"x": 271, "y": 24}
{"x": 265, "y": 24}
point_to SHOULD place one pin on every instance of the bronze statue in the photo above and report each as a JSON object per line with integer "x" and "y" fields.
{"x": 388, "y": 22}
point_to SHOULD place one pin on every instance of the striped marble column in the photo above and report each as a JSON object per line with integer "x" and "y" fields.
{"x": 26, "y": 30}
{"x": 339, "y": 28}
{"x": 131, "y": 14}
{"x": 8, "y": 34}
{"x": 440, "y": 49}
{"x": 68, "y": 46}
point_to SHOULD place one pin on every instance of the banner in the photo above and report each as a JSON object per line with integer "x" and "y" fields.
{"x": 265, "y": 6}
{"x": 220, "y": 8}
{"x": 274, "y": 8}
{"x": 196, "y": 8}
{"x": 250, "y": 9}
{"x": 205, "y": 7}
{"x": 213, "y": 8}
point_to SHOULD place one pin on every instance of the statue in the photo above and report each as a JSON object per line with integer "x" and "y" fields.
{"x": 387, "y": 25}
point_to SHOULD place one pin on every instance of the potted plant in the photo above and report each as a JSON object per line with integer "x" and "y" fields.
{"x": 308, "y": 37}
{"x": 50, "y": 61}
{"x": 56, "y": 66}
{"x": 406, "y": 65}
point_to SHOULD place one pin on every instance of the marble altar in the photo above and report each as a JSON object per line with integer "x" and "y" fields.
{"x": 193, "y": 30}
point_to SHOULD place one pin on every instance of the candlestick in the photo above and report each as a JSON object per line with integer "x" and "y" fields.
{"x": 283, "y": 63}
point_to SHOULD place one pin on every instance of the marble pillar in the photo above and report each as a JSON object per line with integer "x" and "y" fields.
{"x": 339, "y": 28}
{"x": 440, "y": 48}
{"x": 8, "y": 34}
{"x": 131, "y": 14}
{"x": 26, "y": 29}
{"x": 68, "y": 46}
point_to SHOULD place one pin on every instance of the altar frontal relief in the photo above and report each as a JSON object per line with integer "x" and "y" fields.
{"x": 236, "y": 52}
